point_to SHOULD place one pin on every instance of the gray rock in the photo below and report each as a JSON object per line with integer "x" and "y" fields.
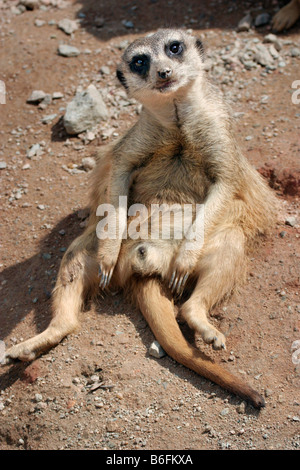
{"x": 263, "y": 56}
{"x": 105, "y": 70}
{"x": 17, "y": 10}
{"x": 242, "y": 407}
{"x": 123, "y": 44}
{"x": 273, "y": 39}
{"x": 68, "y": 51}
{"x": 46, "y": 101}
{"x": 262, "y": 19}
{"x": 3, "y": 165}
{"x": 49, "y": 118}
{"x": 128, "y": 24}
{"x": 34, "y": 150}
{"x": 156, "y": 350}
{"x": 67, "y": 26}
{"x": 84, "y": 111}
{"x": 57, "y": 95}
{"x": 270, "y": 38}
{"x": 36, "y": 96}
{"x": 273, "y": 51}
{"x": 245, "y": 23}
{"x": 39, "y": 23}
{"x": 291, "y": 221}
{"x": 38, "y": 397}
{"x": 88, "y": 163}
{"x": 295, "y": 52}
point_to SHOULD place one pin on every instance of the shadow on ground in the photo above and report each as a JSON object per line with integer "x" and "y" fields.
{"x": 108, "y": 19}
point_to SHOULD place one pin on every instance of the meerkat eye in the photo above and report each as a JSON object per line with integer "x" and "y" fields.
{"x": 140, "y": 64}
{"x": 175, "y": 48}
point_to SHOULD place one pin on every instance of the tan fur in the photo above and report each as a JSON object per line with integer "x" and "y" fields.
{"x": 287, "y": 16}
{"x": 181, "y": 150}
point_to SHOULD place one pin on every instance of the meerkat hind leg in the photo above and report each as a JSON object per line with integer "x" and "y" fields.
{"x": 78, "y": 272}
{"x": 220, "y": 267}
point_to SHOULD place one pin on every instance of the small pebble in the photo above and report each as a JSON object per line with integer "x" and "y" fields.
{"x": 128, "y": 24}
{"x": 67, "y": 26}
{"x": 262, "y": 19}
{"x": 156, "y": 350}
{"x": 291, "y": 221}
{"x": 245, "y": 23}
{"x": 38, "y": 397}
{"x": 242, "y": 408}
{"x": 224, "y": 412}
{"x": 68, "y": 51}
{"x": 36, "y": 96}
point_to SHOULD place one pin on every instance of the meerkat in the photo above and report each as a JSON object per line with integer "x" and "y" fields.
{"x": 181, "y": 151}
{"x": 287, "y": 16}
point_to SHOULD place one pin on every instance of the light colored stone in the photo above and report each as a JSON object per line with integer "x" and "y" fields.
{"x": 68, "y": 51}
{"x": 36, "y": 96}
{"x": 67, "y": 26}
{"x": 291, "y": 221}
{"x": 88, "y": 163}
{"x": 85, "y": 111}
{"x": 245, "y": 23}
{"x": 156, "y": 350}
{"x": 263, "y": 56}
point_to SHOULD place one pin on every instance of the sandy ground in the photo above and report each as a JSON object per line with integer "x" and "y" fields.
{"x": 142, "y": 403}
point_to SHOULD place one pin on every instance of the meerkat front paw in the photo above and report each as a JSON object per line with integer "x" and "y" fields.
{"x": 180, "y": 271}
{"x": 108, "y": 256}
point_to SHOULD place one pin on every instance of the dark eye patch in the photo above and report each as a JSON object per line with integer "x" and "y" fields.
{"x": 140, "y": 64}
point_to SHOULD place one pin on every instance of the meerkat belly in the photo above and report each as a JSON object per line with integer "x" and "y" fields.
{"x": 171, "y": 179}
{"x": 168, "y": 189}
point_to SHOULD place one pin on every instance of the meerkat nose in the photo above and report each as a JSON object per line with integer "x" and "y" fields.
{"x": 165, "y": 74}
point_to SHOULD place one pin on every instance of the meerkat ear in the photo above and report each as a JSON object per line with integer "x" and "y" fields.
{"x": 200, "y": 47}
{"x": 121, "y": 78}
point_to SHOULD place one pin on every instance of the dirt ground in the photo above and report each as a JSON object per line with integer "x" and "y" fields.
{"x": 100, "y": 388}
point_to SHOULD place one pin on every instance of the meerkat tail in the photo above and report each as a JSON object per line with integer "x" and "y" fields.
{"x": 159, "y": 313}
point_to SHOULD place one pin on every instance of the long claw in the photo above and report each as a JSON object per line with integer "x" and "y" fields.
{"x": 110, "y": 275}
{"x": 179, "y": 285}
{"x": 102, "y": 282}
{"x": 175, "y": 284}
{"x": 185, "y": 278}
{"x": 105, "y": 278}
{"x": 99, "y": 271}
{"x": 172, "y": 279}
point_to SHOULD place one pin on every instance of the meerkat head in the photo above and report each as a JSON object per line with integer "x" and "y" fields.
{"x": 160, "y": 64}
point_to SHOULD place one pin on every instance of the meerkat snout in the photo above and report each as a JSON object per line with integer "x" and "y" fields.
{"x": 165, "y": 74}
